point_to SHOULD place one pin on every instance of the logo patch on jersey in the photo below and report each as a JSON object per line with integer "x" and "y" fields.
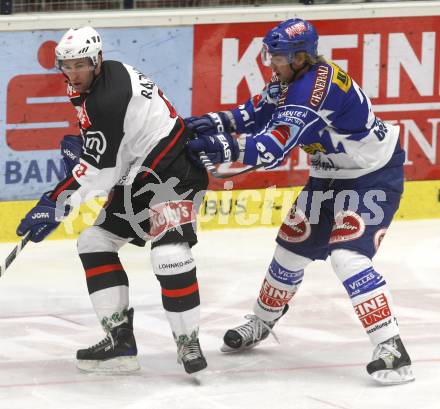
{"x": 347, "y": 226}
{"x": 373, "y": 310}
{"x": 81, "y": 170}
{"x": 169, "y": 215}
{"x": 340, "y": 78}
{"x": 274, "y": 297}
{"x": 296, "y": 227}
{"x": 294, "y": 117}
{"x": 83, "y": 117}
{"x": 297, "y": 28}
{"x": 281, "y": 133}
{"x": 320, "y": 85}
{"x": 95, "y": 145}
{"x": 378, "y": 237}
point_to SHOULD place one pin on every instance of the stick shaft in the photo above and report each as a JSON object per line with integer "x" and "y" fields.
{"x": 14, "y": 253}
{"x": 214, "y": 172}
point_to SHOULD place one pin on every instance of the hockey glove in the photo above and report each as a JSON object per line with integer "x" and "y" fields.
{"x": 273, "y": 92}
{"x": 220, "y": 148}
{"x": 209, "y": 124}
{"x": 71, "y": 149}
{"x": 42, "y": 219}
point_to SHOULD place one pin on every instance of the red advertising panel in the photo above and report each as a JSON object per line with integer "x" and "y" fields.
{"x": 38, "y": 112}
{"x": 395, "y": 60}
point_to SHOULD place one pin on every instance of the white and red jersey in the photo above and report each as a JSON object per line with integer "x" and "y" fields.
{"x": 125, "y": 120}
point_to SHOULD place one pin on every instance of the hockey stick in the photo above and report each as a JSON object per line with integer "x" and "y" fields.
{"x": 14, "y": 253}
{"x": 214, "y": 172}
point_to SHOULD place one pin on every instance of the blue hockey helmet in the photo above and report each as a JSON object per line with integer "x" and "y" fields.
{"x": 288, "y": 38}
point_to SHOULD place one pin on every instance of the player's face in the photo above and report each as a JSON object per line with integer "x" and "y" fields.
{"x": 80, "y": 72}
{"x": 285, "y": 70}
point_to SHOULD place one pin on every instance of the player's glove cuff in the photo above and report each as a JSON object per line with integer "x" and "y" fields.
{"x": 71, "y": 150}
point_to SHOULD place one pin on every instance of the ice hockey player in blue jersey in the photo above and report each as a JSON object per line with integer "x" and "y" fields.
{"x": 354, "y": 189}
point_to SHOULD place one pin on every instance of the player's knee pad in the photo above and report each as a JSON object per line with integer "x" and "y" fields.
{"x": 172, "y": 259}
{"x": 369, "y": 293}
{"x": 95, "y": 239}
{"x": 283, "y": 278}
{"x": 346, "y": 263}
{"x": 175, "y": 269}
{"x": 356, "y": 273}
{"x": 289, "y": 260}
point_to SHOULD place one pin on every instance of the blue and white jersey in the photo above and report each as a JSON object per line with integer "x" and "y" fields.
{"x": 325, "y": 113}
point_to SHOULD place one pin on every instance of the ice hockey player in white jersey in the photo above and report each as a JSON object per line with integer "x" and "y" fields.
{"x": 132, "y": 140}
{"x": 354, "y": 189}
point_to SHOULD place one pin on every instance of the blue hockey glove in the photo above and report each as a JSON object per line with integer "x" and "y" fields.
{"x": 273, "y": 92}
{"x": 209, "y": 124}
{"x": 220, "y": 148}
{"x": 71, "y": 149}
{"x": 42, "y": 219}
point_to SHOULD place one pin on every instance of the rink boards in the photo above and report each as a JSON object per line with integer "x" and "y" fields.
{"x": 229, "y": 209}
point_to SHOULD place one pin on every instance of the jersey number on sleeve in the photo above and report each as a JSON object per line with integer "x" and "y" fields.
{"x": 266, "y": 157}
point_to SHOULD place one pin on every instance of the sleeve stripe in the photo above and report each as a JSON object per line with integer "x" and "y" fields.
{"x": 64, "y": 186}
{"x": 167, "y": 148}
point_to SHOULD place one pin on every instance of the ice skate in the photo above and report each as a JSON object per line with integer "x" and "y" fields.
{"x": 391, "y": 363}
{"x": 116, "y": 353}
{"x": 250, "y": 334}
{"x": 190, "y": 354}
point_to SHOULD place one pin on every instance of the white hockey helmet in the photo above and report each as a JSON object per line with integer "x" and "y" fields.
{"x": 84, "y": 42}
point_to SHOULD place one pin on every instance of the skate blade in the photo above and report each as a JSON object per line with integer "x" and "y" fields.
{"x": 394, "y": 377}
{"x": 197, "y": 377}
{"x": 119, "y": 365}
{"x": 227, "y": 349}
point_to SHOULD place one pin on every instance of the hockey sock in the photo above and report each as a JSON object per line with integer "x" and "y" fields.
{"x": 369, "y": 294}
{"x": 175, "y": 269}
{"x": 282, "y": 280}
{"x": 107, "y": 283}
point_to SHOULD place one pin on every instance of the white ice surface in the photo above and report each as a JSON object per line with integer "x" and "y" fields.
{"x": 45, "y": 315}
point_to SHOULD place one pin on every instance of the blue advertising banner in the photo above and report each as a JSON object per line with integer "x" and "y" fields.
{"x": 35, "y": 112}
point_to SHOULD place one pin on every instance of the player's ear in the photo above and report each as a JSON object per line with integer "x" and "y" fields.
{"x": 300, "y": 58}
{"x": 98, "y": 65}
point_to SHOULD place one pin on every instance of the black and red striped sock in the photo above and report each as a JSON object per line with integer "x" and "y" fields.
{"x": 103, "y": 270}
{"x": 180, "y": 292}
